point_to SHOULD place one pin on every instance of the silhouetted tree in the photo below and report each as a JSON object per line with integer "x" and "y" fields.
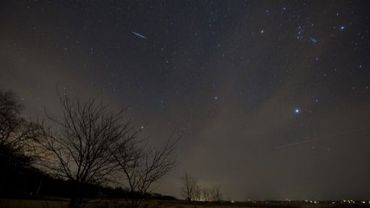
{"x": 190, "y": 190}
{"x": 215, "y": 194}
{"x": 15, "y": 131}
{"x": 142, "y": 167}
{"x": 79, "y": 146}
{"x": 16, "y": 136}
{"x": 206, "y": 194}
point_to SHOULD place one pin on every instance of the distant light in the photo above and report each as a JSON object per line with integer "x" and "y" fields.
{"x": 215, "y": 98}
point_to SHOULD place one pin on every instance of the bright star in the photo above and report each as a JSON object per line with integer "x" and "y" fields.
{"x": 297, "y": 110}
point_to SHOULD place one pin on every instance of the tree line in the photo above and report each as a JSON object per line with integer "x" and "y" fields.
{"x": 193, "y": 192}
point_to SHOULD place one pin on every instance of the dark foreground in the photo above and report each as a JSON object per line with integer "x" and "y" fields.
{"x": 105, "y": 203}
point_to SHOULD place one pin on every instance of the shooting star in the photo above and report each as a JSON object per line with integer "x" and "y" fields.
{"x": 138, "y": 35}
{"x": 313, "y": 40}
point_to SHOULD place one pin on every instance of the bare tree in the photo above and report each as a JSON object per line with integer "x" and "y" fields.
{"x": 79, "y": 147}
{"x": 142, "y": 167}
{"x": 206, "y": 194}
{"x": 16, "y": 136}
{"x": 215, "y": 194}
{"x": 190, "y": 190}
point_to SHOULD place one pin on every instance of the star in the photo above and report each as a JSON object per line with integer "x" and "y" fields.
{"x": 297, "y": 110}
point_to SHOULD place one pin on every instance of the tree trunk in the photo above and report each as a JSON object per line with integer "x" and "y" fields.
{"x": 76, "y": 199}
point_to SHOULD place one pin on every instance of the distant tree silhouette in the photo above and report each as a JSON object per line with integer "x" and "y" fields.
{"x": 191, "y": 190}
{"x": 142, "y": 167}
{"x": 214, "y": 194}
{"x": 79, "y": 146}
{"x": 206, "y": 194}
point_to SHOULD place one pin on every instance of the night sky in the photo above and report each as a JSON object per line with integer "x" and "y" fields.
{"x": 272, "y": 97}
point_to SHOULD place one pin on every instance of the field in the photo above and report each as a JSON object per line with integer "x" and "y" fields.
{"x": 103, "y": 203}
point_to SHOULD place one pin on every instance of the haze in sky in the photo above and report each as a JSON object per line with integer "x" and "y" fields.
{"x": 272, "y": 97}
